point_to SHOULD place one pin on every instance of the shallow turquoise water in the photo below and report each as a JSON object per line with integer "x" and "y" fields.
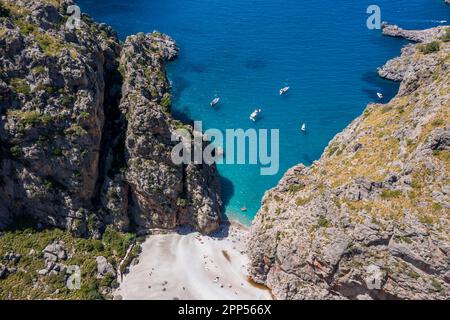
{"x": 246, "y": 50}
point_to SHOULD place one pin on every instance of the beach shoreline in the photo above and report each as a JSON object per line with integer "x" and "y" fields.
{"x": 185, "y": 265}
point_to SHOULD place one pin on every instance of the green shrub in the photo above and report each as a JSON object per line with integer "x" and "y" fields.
{"x": 57, "y": 152}
{"x": 436, "y": 285}
{"x": 426, "y": 219}
{"x": 332, "y": 150}
{"x": 117, "y": 242}
{"x": 387, "y": 194}
{"x": 89, "y": 291}
{"x": 67, "y": 100}
{"x": 49, "y": 185}
{"x": 430, "y": 47}
{"x": 438, "y": 123}
{"x": 50, "y": 45}
{"x": 31, "y": 118}
{"x": 76, "y": 130}
{"x": 25, "y": 27}
{"x": 301, "y": 201}
{"x": 166, "y": 102}
{"x": 15, "y": 151}
{"x": 436, "y": 206}
{"x": 84, "y": 115}
{"x": 413, "y": 274}
{"x": 39, "y": 70}
{"x": 20, "y": 86}
{"x": 323, "y": 222}
{"x": 181, "y": 202}
{"x": 294, "y": 188}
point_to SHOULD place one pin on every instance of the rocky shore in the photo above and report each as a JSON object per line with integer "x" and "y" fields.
{"x": 85, "y": 129}
{"x": 370, "y": 219}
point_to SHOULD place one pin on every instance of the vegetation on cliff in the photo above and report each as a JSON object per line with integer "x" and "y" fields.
{"x": 371, "y": 218}
{"x": 85, "y": 133}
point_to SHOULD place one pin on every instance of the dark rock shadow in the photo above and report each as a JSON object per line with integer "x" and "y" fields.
{"x": 183, "y": 115}
{"x": 227, "y": 190}
{"x": 196, "y": 67}
{"x": 223, "y": 230}
{"x": 255, "y": 64}
{"x": 179, "y": 84}
{"x": 220, "y": 233}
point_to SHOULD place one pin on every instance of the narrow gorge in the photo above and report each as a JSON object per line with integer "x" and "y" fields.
{"x": 86, "y": 129}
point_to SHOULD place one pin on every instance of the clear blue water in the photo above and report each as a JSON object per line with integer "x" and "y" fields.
{"x": 246, "y": 50}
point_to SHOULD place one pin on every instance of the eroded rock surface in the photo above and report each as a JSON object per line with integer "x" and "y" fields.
{"x": 82, "y": 145}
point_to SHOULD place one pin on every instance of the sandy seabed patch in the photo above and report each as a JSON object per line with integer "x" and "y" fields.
{"x": 185, "y": 265}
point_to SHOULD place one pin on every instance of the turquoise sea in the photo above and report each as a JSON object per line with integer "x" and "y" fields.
{"x": 245, "y": 50}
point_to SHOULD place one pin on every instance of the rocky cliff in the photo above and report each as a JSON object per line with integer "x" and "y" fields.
{"x": 85, "y": 128}
{"x": 371, "y": 218}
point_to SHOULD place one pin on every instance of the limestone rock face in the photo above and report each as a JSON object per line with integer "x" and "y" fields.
{"x": 52, "y": 100}
{"x": 77, "y": 152}
{"x": 370, "y": 219}
{"x": 413, "y": 35}
{"x": 163, "y": 194}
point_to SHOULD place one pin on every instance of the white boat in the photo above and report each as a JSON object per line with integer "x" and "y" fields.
{"x": 284, "y": 90}
{"x": 214, "y": 102}
{"x": 303, "y": 128}
{"x": 255, "y": 114}
{"x": 380, "y": 95}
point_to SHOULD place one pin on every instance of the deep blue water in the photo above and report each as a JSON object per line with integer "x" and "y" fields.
{"x": 246, "y": 50}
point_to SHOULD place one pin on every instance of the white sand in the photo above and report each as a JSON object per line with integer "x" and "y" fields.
{"x": 176, "y": 266}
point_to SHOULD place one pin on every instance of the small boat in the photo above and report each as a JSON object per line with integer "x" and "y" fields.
{"x": 303, "y": 128}
{"x": 255, "y": 114}
{"x": 214, "y": 102}
{"x": 380, "y": 95}
{"x": 284, "y": 90}
{"x": 244, "y": 209}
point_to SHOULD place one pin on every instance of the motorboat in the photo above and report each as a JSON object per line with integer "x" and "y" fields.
{"x": 284, "y": 90}
{"x": 255, "y": 115}
{"x": 214, "y": 102}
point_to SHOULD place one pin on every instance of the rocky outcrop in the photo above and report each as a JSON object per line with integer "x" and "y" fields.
{"x": 104, "y": 268}
{"x": 53, "y": 255}
{"x": 413, "y": 35}
{"x": 77, "y": 152}
{"x": 369, "y": 219}
{"x": 163, "y": 194}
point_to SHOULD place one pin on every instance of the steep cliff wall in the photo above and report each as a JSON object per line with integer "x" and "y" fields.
{"x": 371, "y": 218}
{"x": 173, "y": 194}
{"x": 75, "y": 151}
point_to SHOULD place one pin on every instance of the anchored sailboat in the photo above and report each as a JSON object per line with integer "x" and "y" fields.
{"x": 303, "y": 128}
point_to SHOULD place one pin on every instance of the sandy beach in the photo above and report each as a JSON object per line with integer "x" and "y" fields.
{"x": 188, "y": 265}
